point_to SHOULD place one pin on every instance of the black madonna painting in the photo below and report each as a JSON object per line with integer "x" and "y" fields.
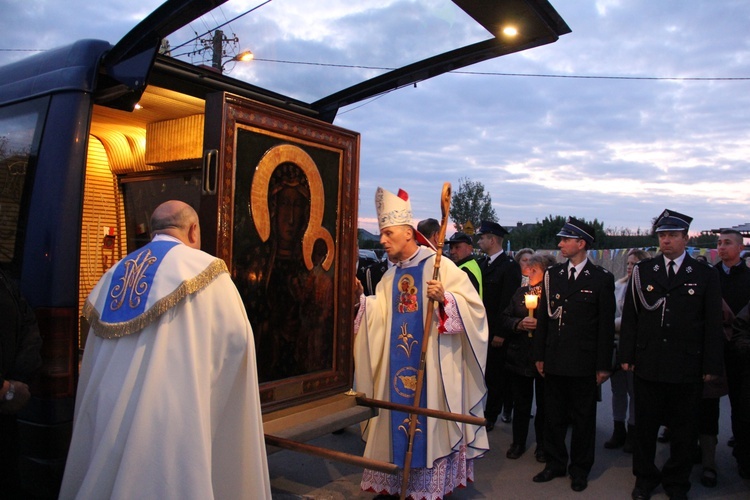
{"x": 285, "y": 264}
{"x": 293, "y": 236}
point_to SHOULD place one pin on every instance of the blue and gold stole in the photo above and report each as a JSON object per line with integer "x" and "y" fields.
{"x": 407, "y": 332}
{"x": 132, "y": 280}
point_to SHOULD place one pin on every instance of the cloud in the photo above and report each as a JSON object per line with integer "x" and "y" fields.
{"x": 619, "y": 150}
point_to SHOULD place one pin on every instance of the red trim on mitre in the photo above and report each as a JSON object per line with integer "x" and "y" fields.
{"x": 403, "y": 194}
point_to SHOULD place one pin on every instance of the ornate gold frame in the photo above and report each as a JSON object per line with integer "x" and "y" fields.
{"x": 255, "y": 140}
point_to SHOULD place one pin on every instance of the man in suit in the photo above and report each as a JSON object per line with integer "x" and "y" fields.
{"x": 671, "y": 338}
{"x": 501, "y": 276}
{"x": 573, "y": 352}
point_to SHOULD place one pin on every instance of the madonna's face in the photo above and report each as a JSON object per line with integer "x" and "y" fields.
{"x": 291, "y": 211}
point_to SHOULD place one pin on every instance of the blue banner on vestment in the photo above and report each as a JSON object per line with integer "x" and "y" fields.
{"x": 407, "y": 332}
{"x": 132, "y": 280}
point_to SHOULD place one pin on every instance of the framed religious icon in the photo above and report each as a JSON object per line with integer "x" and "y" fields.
{"x": 284, "y": 220}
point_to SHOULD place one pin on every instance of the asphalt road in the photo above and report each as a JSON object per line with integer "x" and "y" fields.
{"x": 298, "y": 476}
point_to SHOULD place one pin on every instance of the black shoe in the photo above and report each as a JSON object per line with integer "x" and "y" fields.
{"x": 515, "y": 451}
{"x": 709, "y": 478}
{"x": 639, "y": 494}
{"x": 579, "y": 484}
{"x": 665, "y": 435}
{"x": 547, "y": 475}
{"x": 541, "y": 457}
{"x": 619, "y": 435}
{"x": 490, "y": 426}
{"x": 506, "y": 418}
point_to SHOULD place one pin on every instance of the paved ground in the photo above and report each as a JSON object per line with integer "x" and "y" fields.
{"x": 298, "y": 476}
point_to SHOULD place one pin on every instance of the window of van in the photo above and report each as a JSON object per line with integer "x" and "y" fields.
{"x": 20, "y": 130}
{"x": 142, "y": 196}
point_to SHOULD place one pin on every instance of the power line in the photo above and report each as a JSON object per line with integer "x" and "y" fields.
{"x": 224, "y": 24}
{"x": 480, "y": 73}
{"x": 332, "y": 65}
{"x": 604, "y": 77}
{"x": 530, "y": 75}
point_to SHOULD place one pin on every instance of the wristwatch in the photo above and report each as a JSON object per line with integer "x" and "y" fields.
{"x": 11, "y": 392}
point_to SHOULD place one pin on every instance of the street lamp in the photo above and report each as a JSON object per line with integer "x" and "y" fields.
{"x": 244, "y": 56}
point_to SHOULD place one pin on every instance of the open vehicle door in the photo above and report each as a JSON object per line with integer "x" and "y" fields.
{"x": 275, "y": 182}
{"x": 126, "y": 67}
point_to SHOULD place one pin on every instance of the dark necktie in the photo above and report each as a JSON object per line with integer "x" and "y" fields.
{"x": 670, "y": 270}
{"x": 572, "y": 277}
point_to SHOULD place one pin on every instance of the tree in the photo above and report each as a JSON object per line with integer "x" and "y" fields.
{"x": 543, "y": 235}
{"x": 471, "y": 204}
{"x": 707, "y": 239}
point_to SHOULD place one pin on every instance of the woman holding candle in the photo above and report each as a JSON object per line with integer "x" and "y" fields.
{"x": 519, "y": 323}
{"x": 522, "y": 256}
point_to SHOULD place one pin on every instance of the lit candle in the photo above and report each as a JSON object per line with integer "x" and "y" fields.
{"x": 531, "y": 302}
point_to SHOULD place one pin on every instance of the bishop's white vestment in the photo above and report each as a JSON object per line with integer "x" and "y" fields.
{"x": 167, "y": 404}
{"x": 454, "y": 377}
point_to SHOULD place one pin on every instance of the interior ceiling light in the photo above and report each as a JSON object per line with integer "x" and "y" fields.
{"x": 510, "y": 31}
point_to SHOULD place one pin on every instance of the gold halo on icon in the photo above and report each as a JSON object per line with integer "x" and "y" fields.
{"x": 278, "y": 155}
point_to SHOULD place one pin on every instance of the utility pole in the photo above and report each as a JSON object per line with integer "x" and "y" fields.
{"x": 218, "y": 49}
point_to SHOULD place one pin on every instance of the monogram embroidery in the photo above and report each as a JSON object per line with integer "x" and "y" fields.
{"x": 132, "y": 285}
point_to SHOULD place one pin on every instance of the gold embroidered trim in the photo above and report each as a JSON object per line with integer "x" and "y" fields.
{"x": 188, "y": 287}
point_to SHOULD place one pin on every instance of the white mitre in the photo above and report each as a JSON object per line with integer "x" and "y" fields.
{"x": 393, "y": 210}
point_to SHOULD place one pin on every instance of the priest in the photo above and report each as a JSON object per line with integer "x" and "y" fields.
{"x": 167, "y": 403}
{"x": 389, "y": 330}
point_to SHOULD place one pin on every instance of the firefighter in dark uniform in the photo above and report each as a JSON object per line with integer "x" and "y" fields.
{"x": 671, "y": 338}
{"x": 573, "y": 349}
{"x": 501, "y": 277}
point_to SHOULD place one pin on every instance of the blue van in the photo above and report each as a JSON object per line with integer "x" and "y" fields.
{"x": 94, "y": 136}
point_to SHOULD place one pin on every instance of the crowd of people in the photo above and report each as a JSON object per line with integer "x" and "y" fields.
{"x": 473, "y": 339}
{"x": 671, "y": 336}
